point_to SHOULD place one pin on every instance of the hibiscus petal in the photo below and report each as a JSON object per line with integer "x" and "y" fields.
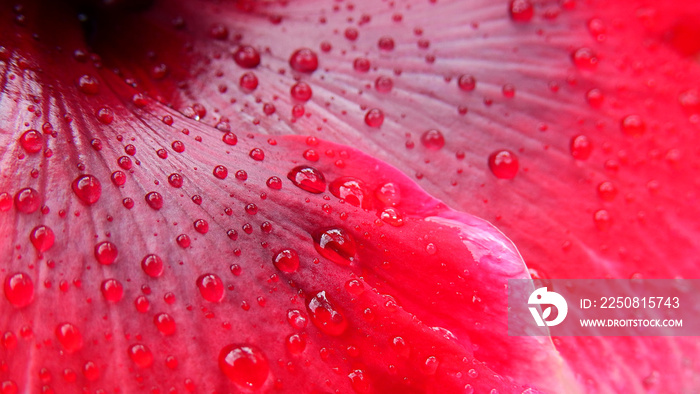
{"x": 145, "y": 250}
{"x": 594, "y": 101}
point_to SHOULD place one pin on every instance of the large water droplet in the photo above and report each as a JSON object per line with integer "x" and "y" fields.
{"x": 336, "y": 245}
{"x": 246, "y": 56}
{"x": 211, "y": 287}
{"x": 87, "y": 188}
{"x": 326, "y": 316}
{"x": 374, "y": 117}
{"x": 633, "y": 125}
{"x": 141, "y": 355}
{"x": 31, "y": 141}
{"x": 154, "y": 200}
{"x": 433, "y": 139}
{"x": 301, "y": 91}
{"x": 244, "y": 365}
{"x": 164, "y": 323}
{"x": 308, "y": 178}
{"x": 112, "y": 290}
{"x": 521, "y": 10}
{"x": 19, "y": 289}
{"x": 27, "y": 200}
{"x": 581, "y": 147}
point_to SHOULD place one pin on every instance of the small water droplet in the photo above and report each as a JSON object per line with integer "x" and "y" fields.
{"x": 152, "y": 265}
{"x": 354, "y": 287}
{"x": 503, "y": 164}
{"x": 374, "y": 117}
{"x": 106, "y": 252}
{"x": 141, "y": 355}
{"x": 301, "y": 91}
{"x": 257, "y": 154}
{"x": 386, "y": 43}
{"x": 42, "y": 237}
{"x": 211, "y": 287}
{"x": 248, "y": 81}
{"x": 230, "y": 139}
{"x": 19, "y": 289}
{"x": 326, "y": 316}
{"x": 304, "y": 60}
{"x": 295, "y": 343}
{"x": 335, "y": 244}
{"x": 361, "y": 64}
{"x": 27, "y": 200}
{"x": 633, "y": 125}
{"x": 69, "y": 336}
{"x": 220, "y": 172}
{"x": 585, "y": 59}
{"x": 607, "y": 191}
{"x": 433, "y": 139}
{"x": 201, "y": 226}
{"x": 308, "y": 178}
{"x": 521, "y": 10}
{"x": 286, "y": 260}
{"x": 87, "y": 188}
{"x": 352, "y": 190}
{"x": 112, "y": 290}
{"x": 274, "y": 183}
{"x": 246, "y": 56}
{"x": 383, "y": 84}
{"x": 164, "y": 323}
{"x": 88, "y": 84}
{"x": 392, "y": 216}
{"x": 581, "y": 147}
{"x": 154, "y": 200}
{"x": 466, "y": 82}
{"x": 244, "y": 365}
{"x": 602, "y": 219}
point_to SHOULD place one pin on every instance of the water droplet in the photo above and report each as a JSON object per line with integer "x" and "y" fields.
{"x": 248, "y": 81}
{"x": 358, "y": 381}
{"x": 503, "y": 164}
{"x": 241, "y": 175}
{"x": 274, "y": 183}
{"x": 19, "y": 289}
{"x": 336, "y": 245}
{"x": 602, "y": 219}
{"x": 183, "y": 240}
{"x": 175, "y": 180}
{"x": 257, "y": 154}
{"x": 69, "y": 336}
{"x": 27, "y": 200}
{"x": 595, "y": 97}
{"x": 211, "y": 287}
{"x": 105, "y": 115}
{"x": 308, "y": 178}
{"x": 220, "y": 172}
{"x": 295, "y": 343}
{"x": 201, "y": 226}
{"x": 31, "y": 141}
{"x": 361, "y": 64}
{"x": 246, "y": 56}
{"x": 383, "y": 84}
{"x": 297, "y": 319}
{"x": 154, "y": 200}
{"x": 141, "y": 355}
{"x": 230, "y": 139}
{"x": 392, "y": 216}
{"x": 118, "y": 178}
{"x": 351, "y": 33}
{"x": 386, "y": 43}
{"x": 352, "y": 190}
{"x": 152, "y": 265}
{"x": 112, "y": 290}
{"x": 244, "y": 365}
{"x": 374, "y": 117}
{"x": 286, "y": 260}
{"x": 354, "y": 287}
{"x": 633, "y": 125}
{"x": 521, "y": 10}
{"x": 584, "y": 58}
{"x": 433, "y": 139}
{"x": 466, "y": 82}
{"x": 304, "y": 60}
{"x": 106, "y": 252}
{"x": 473, "y": 373}
{"x": 581, "y": 147}
{"x": 430, "y": 365}
{"x": 301, "y": 91}
{"x": 607, "y": 191}
{"x": 87, "y": 188}
{"x": 326, "y": 316}
{"x": 42, "y": 238}
{"x": 125, "y": 162}
{"x": 164, "y": 323}
{"x": 88, "y": 84}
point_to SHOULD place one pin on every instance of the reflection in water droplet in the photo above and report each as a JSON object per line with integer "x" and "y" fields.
{"x": 335, "y": 244}
{"x": 326, "y": 316}
{"x": 308, "y": 178}
{"x": 244, "y": 365}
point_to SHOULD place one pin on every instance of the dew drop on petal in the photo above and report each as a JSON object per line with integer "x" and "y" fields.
{"x": 164, "y": 323}
{"x": 88, "y": 84}
{"x": 19, "y": 289}
{"x": 433, "y": 139}
{"x": 42, "y": 237}
{"x": 521, "y": 10}
{"x": 325, "y": 315}
{"x": 244, "y": 365}
{"x": 69, "y": 337}
{"x": 304, "y": 60}
{"x": 154, "y": 200}
{"x": 201, "y": 226}
{"x": 274, "y": 183}
{"x": 152, "y": 265}
{"x": 87, "y": 188}
{"x": 141, "y": 355}
{"x": 466, "y": 82}
{"x": 31, "y": 141}
{"x": 308, "y": 178}
{"x": 246, "y": 56}
{"x": 230, "y": 139}
{"x": 106, "y": 252}
{"x": 211, "y": 287}
{"x": 335, "y": 244}
{"x": 352, "y": 190}
{"x": 359, "y": 381}
{"x": 383, "y": 84}
{"x": 286, "y": 260}
{"x": 602, "y": 219}
{"x": 503, "y": 164}
{"x": 607, "y": 191}
{"x": 581, "y": 147}
{"x": 296, "y": 319}
{"x": 389, "y": 194}
{"x": 585, "y": 59}
{"x": 248, "y": 81}
{"x": 220, "y": 172}
{"x": 633, "y": 125}
{"x": 175, "y": 180}
{"x": 295, "y": 343}
{"x": 386, "y": 43}
{"x": 354, "y": 287}
{"x": 374, "y": 117}
{"x": 112, "y": 290}
{"x": 301, "y": 91}
{"x": 257, "y": 154}
{"x": 392, "y": 216}
{"x": 27, "y": 200}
